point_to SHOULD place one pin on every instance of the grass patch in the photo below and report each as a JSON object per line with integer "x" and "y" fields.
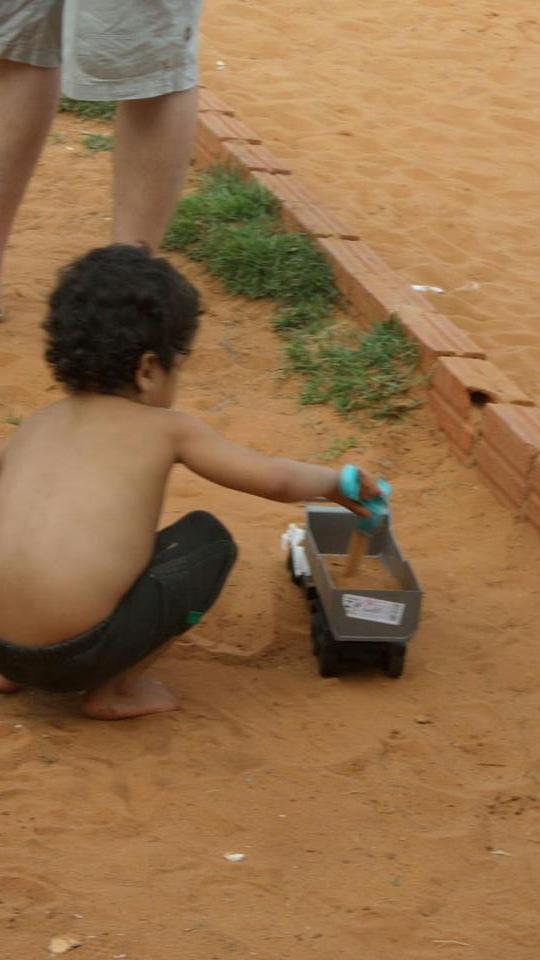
{"x": 233, "y": 226}
{"x": 97, "y": 142}
{"x": 222, "y": 199}
{"x": 307, "y": 315}
{"x": 369, "y": 371}
{"x": 13, "y": 420}
{"x": 337, "y": 448}
{"x": 88, "y": 109}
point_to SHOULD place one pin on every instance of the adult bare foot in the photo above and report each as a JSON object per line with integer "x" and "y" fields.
{"x": 7, "y": 686}
{"x": 118, "y": 699}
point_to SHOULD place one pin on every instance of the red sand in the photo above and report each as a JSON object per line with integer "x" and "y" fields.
{"x": 396, "y": 820}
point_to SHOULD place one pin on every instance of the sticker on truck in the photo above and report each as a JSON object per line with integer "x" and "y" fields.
{"x": 369, "y": 608}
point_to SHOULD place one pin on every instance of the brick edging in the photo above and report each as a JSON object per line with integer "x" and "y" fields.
{"x": 489, "y": 421}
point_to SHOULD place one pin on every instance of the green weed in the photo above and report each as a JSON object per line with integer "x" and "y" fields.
{"x": 88, "y": 109}
{"x": 259, "y": 262}
{"x": 97, "y": 142}
{"x": 222, "y": 198}
{"x": 308, "y": 315}
{"x": 371, "y": 371}
{"x": 337, "y": 448}
{"x": 234, "y": 227}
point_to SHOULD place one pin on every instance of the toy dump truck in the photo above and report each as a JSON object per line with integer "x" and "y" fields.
{"x": 351, "y": 624}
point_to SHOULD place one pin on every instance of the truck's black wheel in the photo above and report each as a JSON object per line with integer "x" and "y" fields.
{"x": 315, "y": 632}
{"x": 311, "y": 594}
{"x": 393, "y": 661}
{"x": 298, "y": 580}
{"x": 327, "y": 655}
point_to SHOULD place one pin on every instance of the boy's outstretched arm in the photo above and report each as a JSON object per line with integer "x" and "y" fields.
{"x": 212, "y": 456}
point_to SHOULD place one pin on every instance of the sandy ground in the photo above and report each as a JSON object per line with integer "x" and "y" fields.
{"x": 396, "y": 820}
{"x": 419, "y": 121}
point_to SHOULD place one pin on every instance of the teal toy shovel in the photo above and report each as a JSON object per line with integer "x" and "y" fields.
{"x": 350, "y": 485}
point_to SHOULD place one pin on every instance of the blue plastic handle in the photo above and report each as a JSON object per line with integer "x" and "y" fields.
{"x": 350, "y": 485}
{"x": 350, "y": 482}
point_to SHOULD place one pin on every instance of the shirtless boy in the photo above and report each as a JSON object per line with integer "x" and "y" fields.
{"x": 82, "y": 484}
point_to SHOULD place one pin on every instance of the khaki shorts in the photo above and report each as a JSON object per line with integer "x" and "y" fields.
{"x": 108, "y": 49}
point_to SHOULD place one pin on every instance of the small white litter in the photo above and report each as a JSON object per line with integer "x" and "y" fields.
{"x": 235, "y": 857}
{"x": 468, "y": 287}
{"x": 426, "y": 288}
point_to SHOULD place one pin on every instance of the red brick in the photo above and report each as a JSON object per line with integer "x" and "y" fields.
{"x": 354, "y": 257}
{"x": 509, "y": 485}
{"x": 514, "y": 432}
{"x": 207, "y": 101}
{"x": 204, "y": 158}
{"x": 348, "y": 263}
{"x": 287, "y": 189}
{"x": 437, "y": 336}
{"x": 390, "y": 292}
{"x": 361, "y": 257}
{"x": 461, "y": 433}
{"x": 340, "y": 254}
{"x": 373, "y": 298}
{"x": 215, "y": 128}
{"x": 461, "y": 380}
{"x": 300, "y": 209}
{"x": 247, "y": 157}
{"x": 317, "y": 220}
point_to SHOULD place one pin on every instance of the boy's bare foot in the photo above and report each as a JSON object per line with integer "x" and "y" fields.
{"x": 7, "y": 686}
{"x": 119, "y": 699}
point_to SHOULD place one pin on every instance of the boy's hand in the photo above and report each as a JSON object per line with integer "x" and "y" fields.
{"x": 369, "y": 490}
{"x": 370, "y": 487}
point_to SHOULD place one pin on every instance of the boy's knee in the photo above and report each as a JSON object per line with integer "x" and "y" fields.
{"x": 230, "y": 551}
{"x": 209, "y": 528}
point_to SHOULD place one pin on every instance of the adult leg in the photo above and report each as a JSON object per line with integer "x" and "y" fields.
{"x": 153, "y": 143}
{"x": 28, "y": 96}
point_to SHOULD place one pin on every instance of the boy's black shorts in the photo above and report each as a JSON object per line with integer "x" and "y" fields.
{"x": 188, "y": 569}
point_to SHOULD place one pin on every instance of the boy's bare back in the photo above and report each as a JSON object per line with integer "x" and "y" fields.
{"x": 81, "y": 485}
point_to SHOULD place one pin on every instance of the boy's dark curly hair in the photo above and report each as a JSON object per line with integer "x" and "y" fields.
{"x": 109, "y": 308}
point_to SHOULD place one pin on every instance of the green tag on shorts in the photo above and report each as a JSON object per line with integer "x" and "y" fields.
{"x": 194, "y": 617}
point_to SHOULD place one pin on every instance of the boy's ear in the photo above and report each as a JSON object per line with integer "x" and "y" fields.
{"x": 145, "y": 374}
